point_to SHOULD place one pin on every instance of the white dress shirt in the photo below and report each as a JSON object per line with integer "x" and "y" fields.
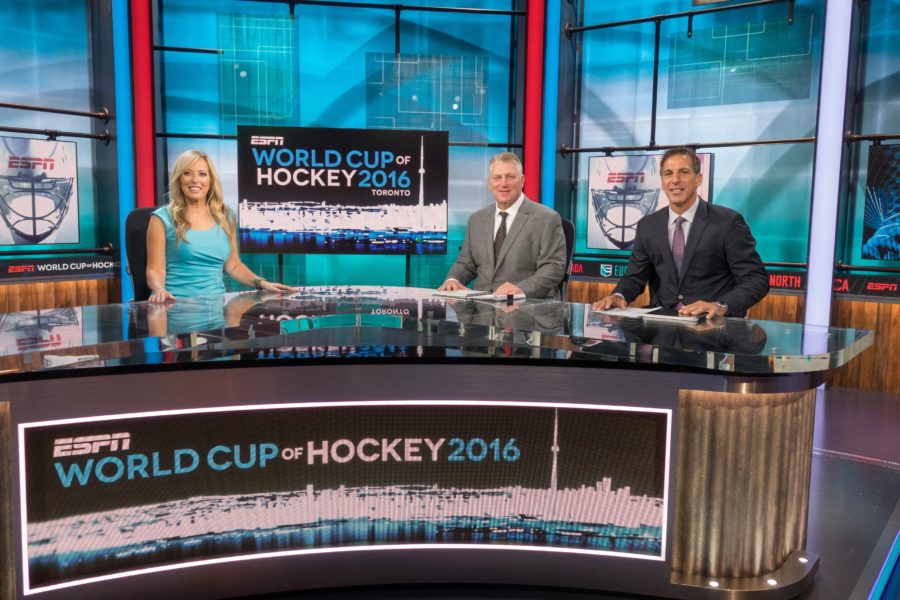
{"x": 688, "y": 215}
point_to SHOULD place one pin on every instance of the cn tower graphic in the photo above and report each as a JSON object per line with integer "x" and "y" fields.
{"x": 421, "y": 181}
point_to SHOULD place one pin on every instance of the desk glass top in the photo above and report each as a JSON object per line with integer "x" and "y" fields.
{"x": 369, "y": 322}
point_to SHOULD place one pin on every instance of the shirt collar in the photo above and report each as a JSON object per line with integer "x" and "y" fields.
{"x": 512, "y": 210}
{"x": 688, "y": 215}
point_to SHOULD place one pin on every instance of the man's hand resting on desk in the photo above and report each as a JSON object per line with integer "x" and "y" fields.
{"x": 710, "y": 309}
{"x": 613, "y": 301}
{"x": 508, "y": 289}
{"x": 451, "y": 285}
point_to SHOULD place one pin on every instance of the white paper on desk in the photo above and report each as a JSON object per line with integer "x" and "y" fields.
{"x": 670, "y": 315}
{"x": 52, "y": 360}
{"x": 628, "y": 313}
{"x": 466, "y": 293}
{"x": 498, "y": 297}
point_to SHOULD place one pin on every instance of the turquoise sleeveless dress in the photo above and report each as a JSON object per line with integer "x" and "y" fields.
{"x": 194, "y": 268}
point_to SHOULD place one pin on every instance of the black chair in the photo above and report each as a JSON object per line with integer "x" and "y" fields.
{"x": 569, "y": 232}
{"x": 136, "y": 224}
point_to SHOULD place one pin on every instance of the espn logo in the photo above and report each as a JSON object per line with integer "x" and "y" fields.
{"x": 625, "y": 177}
{"x": 876, "y": 286}
{"x": 20, "y": 269}
{"x": 31, "y": 162}
{"x": 91, "y": 444}
{"x": 266, "y": 140}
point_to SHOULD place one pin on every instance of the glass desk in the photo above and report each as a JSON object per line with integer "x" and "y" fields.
{"x": 358, "y": 436}
{"x": 404, "y": 323}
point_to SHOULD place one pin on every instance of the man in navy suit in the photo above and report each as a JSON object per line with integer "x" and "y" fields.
{"x": 514, "y": 246}
{"x": 720, "y": 272}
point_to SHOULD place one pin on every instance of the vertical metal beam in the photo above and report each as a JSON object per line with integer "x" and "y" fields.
{"x": 827, "y": 164}
{"x": 517, "y": 70}
{"x": 568, "y": 109}
{"x": 397, "y": 33}
{"x": 553, "y": 38}
{"x": 657, "y": 24}
{"x": 103, "y": 95}
{"x": 142, "y": 77}
{"x": 121, "y": 126}
{"x": 534, "y": 88}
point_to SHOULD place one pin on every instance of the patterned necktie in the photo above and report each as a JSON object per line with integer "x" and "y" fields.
{"x": 678, "y": 244}
{"x": 501, "y": 234}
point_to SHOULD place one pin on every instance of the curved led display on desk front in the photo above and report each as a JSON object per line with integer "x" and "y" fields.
{"x": 131, "y": 492}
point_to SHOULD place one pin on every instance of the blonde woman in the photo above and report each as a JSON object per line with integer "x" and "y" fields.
{"x": 192, "y": 239}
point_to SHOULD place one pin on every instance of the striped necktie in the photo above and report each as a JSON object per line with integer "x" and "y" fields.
{"x": 678, "y": 244}
{"x": 501, "y": 234}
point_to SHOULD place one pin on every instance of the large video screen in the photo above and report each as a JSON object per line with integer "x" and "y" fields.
{"x": 123, "y": 494}
{"x": 881, "y": 227}
{"x": 342, "y": 191}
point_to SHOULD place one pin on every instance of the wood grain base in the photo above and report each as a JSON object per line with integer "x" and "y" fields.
{"x": 17, "y": 297}
{"x": 878, "y": 367}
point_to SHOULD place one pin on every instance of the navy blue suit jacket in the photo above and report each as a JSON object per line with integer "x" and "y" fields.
{"x": 720, "y": 262}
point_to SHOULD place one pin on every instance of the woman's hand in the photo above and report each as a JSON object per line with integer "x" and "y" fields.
{"x": 277, "y": 288}
{"x": 161, "y": 296}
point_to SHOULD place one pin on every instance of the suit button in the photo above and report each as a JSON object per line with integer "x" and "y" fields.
{"x": 680, "y": 297}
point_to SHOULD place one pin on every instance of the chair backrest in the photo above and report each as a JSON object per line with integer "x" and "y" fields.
{"x": 569, "y": 233}
{"x": 136, "y": 224}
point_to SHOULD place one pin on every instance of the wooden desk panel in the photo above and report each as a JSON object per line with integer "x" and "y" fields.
{"x": 17, "y": 297}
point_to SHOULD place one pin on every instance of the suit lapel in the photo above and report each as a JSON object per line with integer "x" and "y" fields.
{"x": 487, "y": 229}
{"x": 659, "y": 234}
{"x": 697, "y": 227}
{"x": 518, "y": 224}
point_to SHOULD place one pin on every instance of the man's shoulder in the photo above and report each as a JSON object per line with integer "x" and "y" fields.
{"x": 721, "y": 213}
{"x": 657, "y": 216}
{"x": 535, "y": 208}
{"x": 487, "y": 211}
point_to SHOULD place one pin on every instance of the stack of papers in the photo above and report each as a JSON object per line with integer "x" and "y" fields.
{"x": 657, "y": 313}
{"x": 670, "y": 315}
{"x": 480, "y": 295}
{"x": 625, "y": 313}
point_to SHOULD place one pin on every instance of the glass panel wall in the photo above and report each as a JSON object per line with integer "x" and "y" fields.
{"x": 235, "y": 62}
{"x": 743, "y": 75}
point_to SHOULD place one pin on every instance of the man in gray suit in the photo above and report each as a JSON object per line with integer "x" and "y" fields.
{"x": 697, "y": 257}
{"x": 514, "y": 247}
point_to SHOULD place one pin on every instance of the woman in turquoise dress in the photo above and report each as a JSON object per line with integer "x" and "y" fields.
{"x": 192, "y": 240}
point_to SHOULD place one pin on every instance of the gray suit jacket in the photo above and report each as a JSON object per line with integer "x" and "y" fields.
{"x": 720, "y": 262}
{"x": 533, "y": 256}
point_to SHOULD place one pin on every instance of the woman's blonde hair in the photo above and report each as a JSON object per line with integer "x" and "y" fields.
{"x": 177, "y": 204}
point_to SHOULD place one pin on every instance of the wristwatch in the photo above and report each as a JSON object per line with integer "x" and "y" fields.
{"x": 723, "y": 306}
{"x": 257, "y": 282}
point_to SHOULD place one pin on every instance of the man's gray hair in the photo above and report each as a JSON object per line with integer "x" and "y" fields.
{"x": 507, "y": 157}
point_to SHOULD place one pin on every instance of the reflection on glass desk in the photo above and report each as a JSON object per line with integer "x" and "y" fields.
{"x": 369, "y": 322}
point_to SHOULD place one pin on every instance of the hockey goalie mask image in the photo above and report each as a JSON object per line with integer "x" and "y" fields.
{"x": 623, "y": 190}
{"x": 38, "y": 189}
